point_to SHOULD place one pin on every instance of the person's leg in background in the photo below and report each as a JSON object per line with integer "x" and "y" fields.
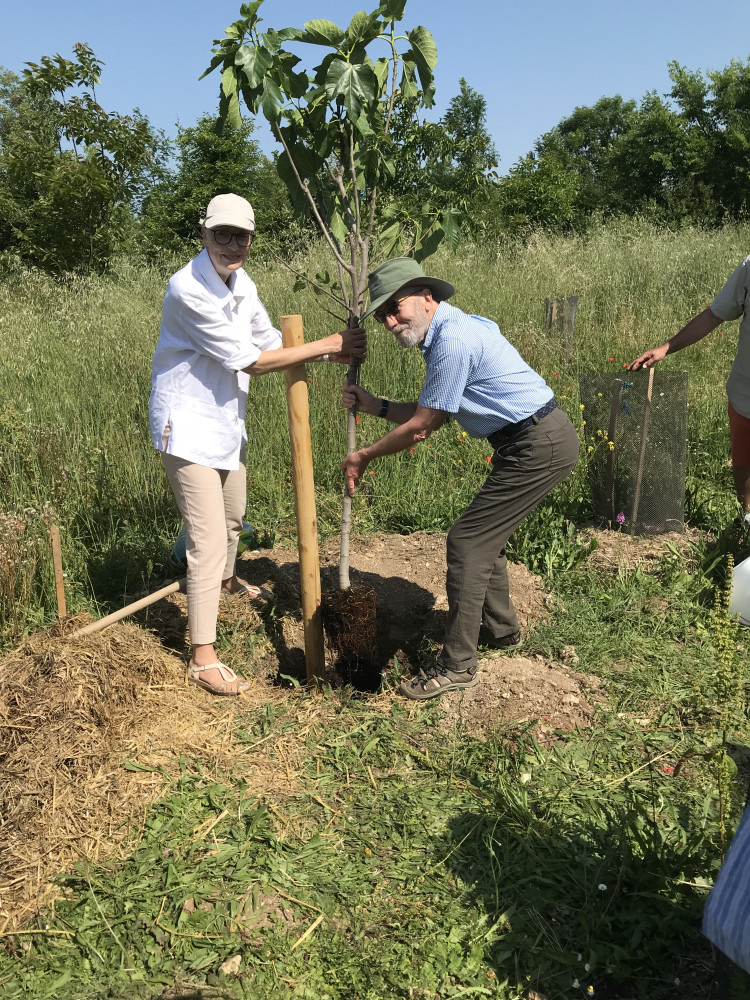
{"x": 739, "y": 434}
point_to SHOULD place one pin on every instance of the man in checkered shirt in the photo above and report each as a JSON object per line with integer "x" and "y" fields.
{"x": 474, "y": 375}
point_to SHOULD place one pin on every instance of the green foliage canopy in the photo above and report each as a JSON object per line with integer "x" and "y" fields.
{"x": 70, "y": 172}
{"x": 680, "y": 158}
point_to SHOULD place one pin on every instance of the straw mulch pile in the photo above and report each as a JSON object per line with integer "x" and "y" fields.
{"x": 72, "y": 711}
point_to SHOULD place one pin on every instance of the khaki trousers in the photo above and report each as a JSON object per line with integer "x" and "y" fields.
{"x": 212, "y": 503}
{"x": 524, "y": 470}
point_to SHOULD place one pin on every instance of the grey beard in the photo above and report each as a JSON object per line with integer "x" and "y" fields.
{"x": 409, "y": 338}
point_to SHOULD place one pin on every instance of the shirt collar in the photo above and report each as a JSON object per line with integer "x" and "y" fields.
{"x": 236, "y": 287}
{"x": 438, "y": 317}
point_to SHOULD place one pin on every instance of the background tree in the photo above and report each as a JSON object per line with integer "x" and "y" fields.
{"x": 214, "y": 157}
{"x": 450, "y": 163}
{"x": 716, "y": 113}
{"x": 70, "y": 173}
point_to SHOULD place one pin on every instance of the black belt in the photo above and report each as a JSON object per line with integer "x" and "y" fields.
{"x": 510, "y": 430}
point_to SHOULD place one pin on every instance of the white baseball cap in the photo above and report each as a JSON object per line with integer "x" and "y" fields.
{"x": 229, "y": 210}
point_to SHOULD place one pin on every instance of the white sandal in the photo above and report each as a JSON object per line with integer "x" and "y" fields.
{"x": 251, "y": 593}
{"x": 228, "y": 677}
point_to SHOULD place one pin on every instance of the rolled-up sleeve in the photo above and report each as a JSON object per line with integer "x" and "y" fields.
{"x": 732, "y": 300}
{"x": 203, "y": 325}
{"x": 447, "y": 374}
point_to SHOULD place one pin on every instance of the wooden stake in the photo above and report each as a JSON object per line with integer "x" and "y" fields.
{"x": 129, "y": 609}
{"x": 54, "y": 537}
{"x": 611, "y": 431}
{"x": 304, "y": 497}
{"x": 644, "y": 440}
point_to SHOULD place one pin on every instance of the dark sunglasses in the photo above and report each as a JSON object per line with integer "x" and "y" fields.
{"x": 390, "y": 308}
{"x": 223, "y": 237}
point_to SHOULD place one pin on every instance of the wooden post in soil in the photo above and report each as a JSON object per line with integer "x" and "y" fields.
{"x": 611, "y": 433}
{"x": 54, "y": 537}
{"x": 304, "y": 498}
{"x": 642, "y": 452}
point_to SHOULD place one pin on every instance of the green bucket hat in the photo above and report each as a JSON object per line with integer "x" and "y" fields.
{"x": 387, "y": 280}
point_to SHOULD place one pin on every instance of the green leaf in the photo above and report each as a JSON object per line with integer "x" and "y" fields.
{"x": 393, "y": 10}
{"x": 229, "y": 105}
{"x": 451, "y": 223}
{"x": 322, "y": 32}
{"x": 249, "y": 10}
{"x": 363, "y": 28}
{"x": 362, "y": 125}
{"x": 216, "y": 61}
{"x": 382, "y": 72}
{"x": 408, "y": 86}
{"x": 390, "y": 232}
{"x": 338, "y": 226}
{"x": 358, "y": 85}
{"x": 427, "y": 246}
{"x": 254, "y": 61}
{"x": 425, "y": 55}
{"x": 272, "y": 100}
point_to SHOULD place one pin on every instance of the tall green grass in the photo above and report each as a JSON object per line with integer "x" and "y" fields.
{"x": 75, "y": 377}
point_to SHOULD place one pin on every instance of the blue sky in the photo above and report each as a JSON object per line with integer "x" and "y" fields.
{"x": 533, "y": 61}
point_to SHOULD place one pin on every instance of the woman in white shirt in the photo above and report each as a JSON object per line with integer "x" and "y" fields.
{"x": 215, "y": 333}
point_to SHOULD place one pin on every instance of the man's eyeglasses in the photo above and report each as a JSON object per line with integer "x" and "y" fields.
{"x": 390, "y": 308}
{"x": 223, "y": 237}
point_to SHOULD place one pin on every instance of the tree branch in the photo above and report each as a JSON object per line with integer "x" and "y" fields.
{"x": 300, "y": 274}
{"x": 306, "y": 191}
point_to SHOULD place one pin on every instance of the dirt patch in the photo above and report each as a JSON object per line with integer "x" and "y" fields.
{"x": 522, "y": 689}
{"x": 407, "y": 573}
{"x": 74, "y": 710}
{"x": 617, "y": 550}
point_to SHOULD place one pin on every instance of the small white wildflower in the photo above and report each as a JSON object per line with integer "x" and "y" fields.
{"x": 525, "y": 777}
{"x": 587, "y": 967}
{"x": 676, "y": 981}
{"x": 576, "y": 984}
{"x": 602, "y": 887}
{"x": 580, "y": 957}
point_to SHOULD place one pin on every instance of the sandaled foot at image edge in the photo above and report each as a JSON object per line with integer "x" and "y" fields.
{"x": 435, "y": 682}
{"x": 230, "y": 685}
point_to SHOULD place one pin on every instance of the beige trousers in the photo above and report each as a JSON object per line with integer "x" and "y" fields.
{"x": 212, "y": 503}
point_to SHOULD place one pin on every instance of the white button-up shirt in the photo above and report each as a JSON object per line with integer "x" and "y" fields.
{"x": 209, "y": 332}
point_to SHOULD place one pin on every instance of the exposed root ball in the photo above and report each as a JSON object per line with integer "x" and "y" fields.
{"x": 349, "y": 621}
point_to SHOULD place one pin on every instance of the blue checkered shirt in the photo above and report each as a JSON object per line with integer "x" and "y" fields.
{"x": 474, "y": 374}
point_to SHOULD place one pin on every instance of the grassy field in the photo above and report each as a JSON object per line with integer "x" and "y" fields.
{"x": 423, "y": 865}
{"x": 75, "y": 377}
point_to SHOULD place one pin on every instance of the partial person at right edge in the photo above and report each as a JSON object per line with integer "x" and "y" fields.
{"x": 732, "y": 302}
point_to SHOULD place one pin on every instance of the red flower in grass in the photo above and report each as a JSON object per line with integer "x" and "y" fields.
{"x": 371, "y": 472}
{"x": 358, "y": 419}
{"x": 489, "y": 458}
{"x": 611, "y": 359}
{"x": 554, "y": 374}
